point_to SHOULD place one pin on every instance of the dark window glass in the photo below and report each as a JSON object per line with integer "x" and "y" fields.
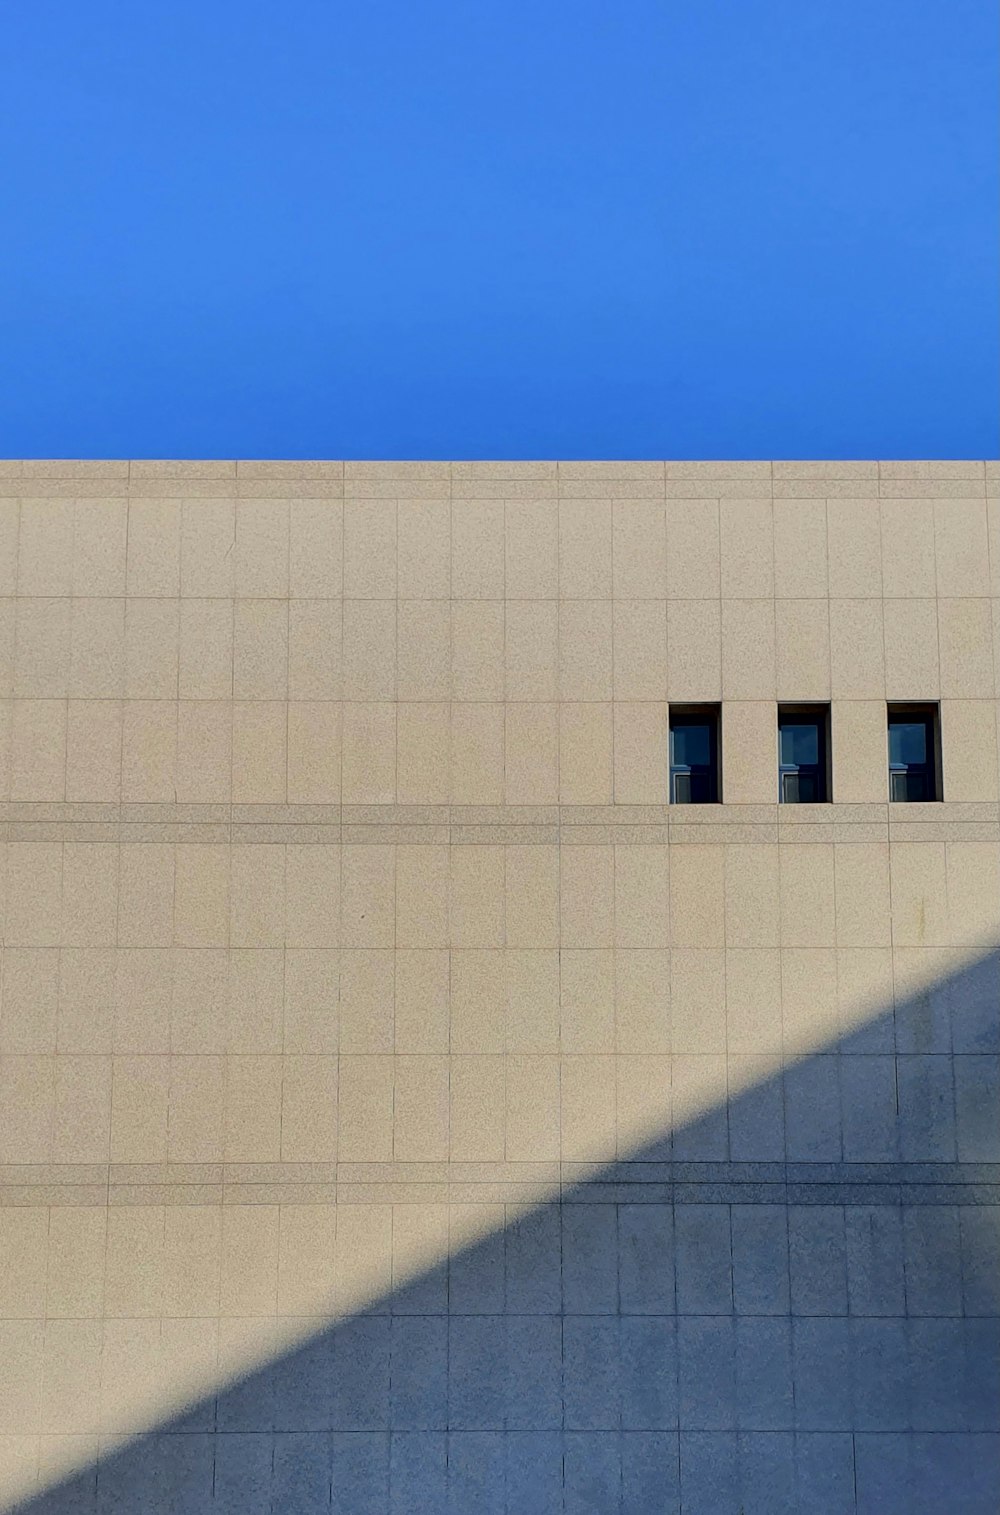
{"x": 799, "y": 787}
{"x": 908, "y": 743}
{"x": 912, "y": 747}
{"x": 802, "y": 757}
{"x": 694, "y": 747}
{"x": 912, "y": 785}
{"x": 800, "y": 743}
{"x": 691, "y": 745}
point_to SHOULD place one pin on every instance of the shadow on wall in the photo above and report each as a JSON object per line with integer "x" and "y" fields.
{"x": 677, "y": 1333}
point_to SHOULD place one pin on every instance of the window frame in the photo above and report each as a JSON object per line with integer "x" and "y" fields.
{"x": 927, "y": 713}
{"x": 802, "y": 713}
{"x": 681, "y": 715}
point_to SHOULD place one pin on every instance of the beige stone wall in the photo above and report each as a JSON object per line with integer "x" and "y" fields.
{"x": 345, "y": 916}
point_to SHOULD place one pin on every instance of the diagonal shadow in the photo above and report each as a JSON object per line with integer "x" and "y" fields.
{"x": 790, "y": 1303}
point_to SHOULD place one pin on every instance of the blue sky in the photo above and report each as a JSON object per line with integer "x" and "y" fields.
{"x": 504, "y": 228}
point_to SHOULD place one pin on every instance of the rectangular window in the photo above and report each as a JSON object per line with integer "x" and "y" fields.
{"x": 803, "y": 748}
{"x": 694, "y": 755}
{"x": 913, "y": 753}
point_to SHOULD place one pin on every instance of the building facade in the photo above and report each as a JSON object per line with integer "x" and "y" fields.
{"x": 436, "y": 1071}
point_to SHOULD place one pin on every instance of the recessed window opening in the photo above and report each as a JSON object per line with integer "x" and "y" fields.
{"x": 914, "y": 753}
{"x": 694, "y": 755}
{"x": 803, "y": 754}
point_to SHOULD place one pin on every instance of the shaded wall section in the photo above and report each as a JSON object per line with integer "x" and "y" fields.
{"x": 674, "y": 1332}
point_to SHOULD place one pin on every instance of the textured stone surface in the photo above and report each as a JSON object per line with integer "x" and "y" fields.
{"x": 402, "y": 1107}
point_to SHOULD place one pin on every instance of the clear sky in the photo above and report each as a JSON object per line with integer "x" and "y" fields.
{"x": 499, "y": 228}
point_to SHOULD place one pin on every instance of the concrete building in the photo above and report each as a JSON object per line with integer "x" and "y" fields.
{"x": 429, "y": 1084}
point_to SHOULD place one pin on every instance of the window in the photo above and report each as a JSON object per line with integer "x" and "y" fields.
{"x": 694, "y": 755}
{"x": 913, "y": 753}
{"x": 802, "y": 754}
